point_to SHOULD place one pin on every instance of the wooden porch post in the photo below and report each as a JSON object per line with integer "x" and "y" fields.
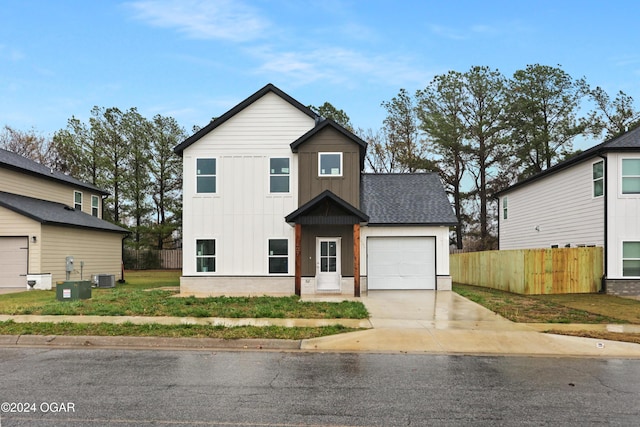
{"x": 356, "y": 260}
{"x": 298, "y": 267}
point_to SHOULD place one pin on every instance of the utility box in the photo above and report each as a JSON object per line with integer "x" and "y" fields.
{"x": 73, "y": 290}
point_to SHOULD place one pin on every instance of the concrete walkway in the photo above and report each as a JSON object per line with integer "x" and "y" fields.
{"x": 401, "y": 321}
{"x": 445, "y": 322}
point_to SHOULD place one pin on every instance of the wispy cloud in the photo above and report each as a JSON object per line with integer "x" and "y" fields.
{"x": 229, "y": 20}
{"x": 10, "y": 54}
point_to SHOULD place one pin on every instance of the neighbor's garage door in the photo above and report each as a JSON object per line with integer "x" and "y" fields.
{"x": 13, "y": 262}
{"x": 401, "y": 263}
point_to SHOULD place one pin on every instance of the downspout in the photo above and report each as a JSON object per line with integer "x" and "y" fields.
{"x": 603, "y": 286}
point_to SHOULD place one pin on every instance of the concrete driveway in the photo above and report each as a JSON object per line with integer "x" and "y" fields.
{"x": 445, "y": 322}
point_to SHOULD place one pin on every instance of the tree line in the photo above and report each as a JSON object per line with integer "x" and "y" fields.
{"x": 480, "y": 130}
{"x": 125, "y": 154}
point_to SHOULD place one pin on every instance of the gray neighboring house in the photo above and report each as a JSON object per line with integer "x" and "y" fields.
{"x": 46, "y": 216}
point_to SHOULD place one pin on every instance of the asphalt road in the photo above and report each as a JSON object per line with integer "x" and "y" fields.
{"x": 80, "y": 387}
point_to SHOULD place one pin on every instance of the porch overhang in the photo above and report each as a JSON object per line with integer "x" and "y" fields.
{"x": 327, "y": 209}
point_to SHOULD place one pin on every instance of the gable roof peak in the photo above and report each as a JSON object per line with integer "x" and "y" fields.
{"x": 268, "y": 88}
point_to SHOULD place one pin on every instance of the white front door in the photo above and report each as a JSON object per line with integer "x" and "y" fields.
{"x": 328, "y": 268}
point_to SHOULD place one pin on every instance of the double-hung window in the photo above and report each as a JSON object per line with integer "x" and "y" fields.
{"x": 329, "y": 164}
{"x": 631, "y": 259}
{"x": 279, "y": 175}
{"x": 95, "y": 206}
{"x": 505, "y": 207}
{"x": 205, "y": 255}
{"x": 598, "y": 178}
{"x": 630, "y": 176}
{"x": 77, "y": 200}
{"x": 206, "y": 175}
{"x": 278, "y": 256}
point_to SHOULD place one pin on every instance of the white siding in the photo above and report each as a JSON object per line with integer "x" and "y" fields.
{"x": 556, "y": 210}
{"x": 623, "y": 214}
{"x": 241, "y": 216}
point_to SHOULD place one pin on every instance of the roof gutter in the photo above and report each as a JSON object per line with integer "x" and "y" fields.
{"x": 603, "y": 285}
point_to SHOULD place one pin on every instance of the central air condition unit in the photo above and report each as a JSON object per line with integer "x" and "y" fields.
{"x": 105, "y": 281}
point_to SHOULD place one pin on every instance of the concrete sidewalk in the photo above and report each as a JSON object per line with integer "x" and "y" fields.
{"x": 401, "y": 321}
{"x": 445, "y": 322}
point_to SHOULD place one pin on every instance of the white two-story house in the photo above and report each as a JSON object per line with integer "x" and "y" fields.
{"x": 276, "y": 202}
{"x": 592, "y": 199}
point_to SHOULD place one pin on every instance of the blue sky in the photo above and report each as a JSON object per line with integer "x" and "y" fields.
{"x": 194, "y": 60}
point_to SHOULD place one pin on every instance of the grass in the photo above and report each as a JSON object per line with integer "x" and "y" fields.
{"x": 173, "y": 331}
{"x": 153, "y": 293}
{"x": 569, "y": 308}
{"x": 143, "y": 295}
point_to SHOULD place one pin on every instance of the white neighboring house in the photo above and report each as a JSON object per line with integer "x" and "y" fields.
{"x": 275, "y": 202}
{"x": 592, "y": 199}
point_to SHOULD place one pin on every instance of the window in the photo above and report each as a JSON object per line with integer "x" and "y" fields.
{"x": 631, "y": 259}
{"x": 206, "y": 176}
{"x": 95, "y": 205}
{"x": 205, "y": 256}
{"x": 330, "y": 164}
{"x": 598, "y": 178}
{"x": 630, "y": 176}
{"x": 278, "y": 256}
{"x": 505, "y": 205}
{"x": 279, "y": 175}
{"x": 77, "y": 200}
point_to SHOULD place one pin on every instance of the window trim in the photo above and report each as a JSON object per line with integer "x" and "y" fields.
{"x": 96, "y": 207}
{"x": 270, "y": 256}
{"x": 75, "y": 202}
{"x": 288, "y": 175}
{"x": 214, "y": 255}
{"x": 214, "y": 175}
{"x": 320, "y": 174}
{"x": 594, "y": 179}
{"x": 622, "y": 177}
{"x": 623, "y": 259}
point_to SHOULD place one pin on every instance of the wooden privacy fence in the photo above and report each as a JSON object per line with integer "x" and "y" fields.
{"x": 532, "y": 271}
{"x": 145, "y": 259}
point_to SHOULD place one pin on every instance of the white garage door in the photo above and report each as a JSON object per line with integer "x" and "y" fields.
{"x": 401, "y": 263}
{"x": 13, "y": 262}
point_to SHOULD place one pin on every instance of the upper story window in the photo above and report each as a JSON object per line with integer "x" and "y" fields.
{"x": 329, "y": 164}
{"x": 598, "y": 178}
{"x": 630, "y": 176}
{"x": 77, "y": 200}
{"x": 205, "y": 175}
{"x": 505, "y": 207}
{"x": 95, "y": 205}
{"x": 279, "y": 175}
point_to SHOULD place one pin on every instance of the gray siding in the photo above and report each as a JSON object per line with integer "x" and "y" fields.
{"x": 309, "y": 234}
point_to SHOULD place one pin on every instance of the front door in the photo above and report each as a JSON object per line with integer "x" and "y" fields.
{"x": 328, "y": 264}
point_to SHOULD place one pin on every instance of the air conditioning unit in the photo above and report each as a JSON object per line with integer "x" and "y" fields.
{"x": 105, "y": 281}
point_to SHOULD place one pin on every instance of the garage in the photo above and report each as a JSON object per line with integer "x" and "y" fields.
{"x": 401, "y": 263}
{"x": 13, "y": 262}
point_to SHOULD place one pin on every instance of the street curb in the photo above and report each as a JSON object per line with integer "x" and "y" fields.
{"x": 91, "y": 341}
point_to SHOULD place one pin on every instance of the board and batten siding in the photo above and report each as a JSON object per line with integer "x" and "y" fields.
{"x": 558, "y": 209}
{"x": 100, "y": 251}
{"x": 13, "y": 224}
{"x": 39, "y": 188}
{"x": 242, "y": 215}
{"x": 623, "y": 214}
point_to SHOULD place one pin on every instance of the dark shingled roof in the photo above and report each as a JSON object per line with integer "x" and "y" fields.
{"x": 627, "y": 142}
{"x": 52, "y": 213}
{"x": 16, "y": 162}
{"x": 405, "y": 199}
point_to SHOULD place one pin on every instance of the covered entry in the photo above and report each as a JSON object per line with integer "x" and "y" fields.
{"x": 13, "y": 262}
{"x": 401, "y": 263}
